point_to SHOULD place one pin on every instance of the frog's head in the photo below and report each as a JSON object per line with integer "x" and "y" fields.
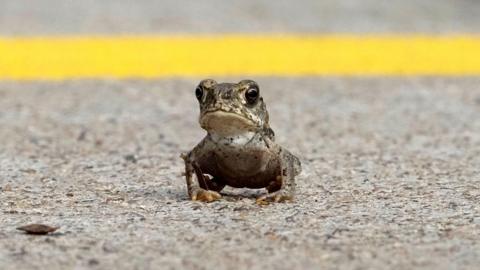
{"x": 230, "y": 108}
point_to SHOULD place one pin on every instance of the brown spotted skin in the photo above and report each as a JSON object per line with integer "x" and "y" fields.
{"x": 239, "y": 149}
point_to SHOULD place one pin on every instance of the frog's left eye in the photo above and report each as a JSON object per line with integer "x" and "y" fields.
{"x": 251, "y": 95}
{"x": 199, "y": 92}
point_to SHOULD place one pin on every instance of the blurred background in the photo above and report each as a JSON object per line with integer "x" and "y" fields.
{"x": 64, "y": 17}
{"x": 379, "y": 99}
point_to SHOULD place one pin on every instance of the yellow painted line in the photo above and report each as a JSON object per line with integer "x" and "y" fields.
{"x": 224, "y": 55}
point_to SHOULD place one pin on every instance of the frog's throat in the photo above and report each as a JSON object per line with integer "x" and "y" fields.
{"x": 226, "y": 123}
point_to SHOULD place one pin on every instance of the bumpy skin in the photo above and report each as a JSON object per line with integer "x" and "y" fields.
{"x": 239, "y": 149}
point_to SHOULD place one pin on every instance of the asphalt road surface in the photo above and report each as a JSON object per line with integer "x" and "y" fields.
{"x": 391, "y": 165}
{"x": 26, "y": 17}
{"x": 391, "y": 176}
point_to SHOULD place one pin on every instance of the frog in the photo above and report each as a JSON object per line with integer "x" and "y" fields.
{"x": 239, "y": 149}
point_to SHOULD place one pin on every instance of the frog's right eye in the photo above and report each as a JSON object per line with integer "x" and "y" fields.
{"x": 199, "y": 92}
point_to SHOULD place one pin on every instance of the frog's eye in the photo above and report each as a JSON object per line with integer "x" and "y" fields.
{"x": 251, "y": 95}
{"x": 199, "y": 92}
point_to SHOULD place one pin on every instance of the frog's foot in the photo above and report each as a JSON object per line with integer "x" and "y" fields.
{"x": 204, "y": 195}
{"x": 277, "y": 196}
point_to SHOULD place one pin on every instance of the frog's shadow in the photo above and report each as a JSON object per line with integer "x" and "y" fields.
{"x": 236, "y": 194}
{"x": 228, "y": 194}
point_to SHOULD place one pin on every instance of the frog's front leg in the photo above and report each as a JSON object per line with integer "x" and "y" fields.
{"x": 283, "y": 188}
{"x": 199, "y": 190}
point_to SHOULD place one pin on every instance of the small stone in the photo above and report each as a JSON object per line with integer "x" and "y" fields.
{"x": 109, "y": 247}
{"x": 7, "y": 187}
{"x": 29, "y": 171}
{"x": 38, "y": 229}
{"x": 82, "y": 136}
{"x": 93, "y": 262}
{"x": 131, "y": 158}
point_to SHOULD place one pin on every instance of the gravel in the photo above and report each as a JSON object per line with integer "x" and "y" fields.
{"x": 391, "y": 177}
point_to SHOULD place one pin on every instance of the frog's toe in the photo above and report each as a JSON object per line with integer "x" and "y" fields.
{"x": 278, "y": 196}
{"x": 205, "y": 195}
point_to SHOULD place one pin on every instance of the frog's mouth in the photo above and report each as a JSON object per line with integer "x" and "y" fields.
{"x": 226, "y": 123}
